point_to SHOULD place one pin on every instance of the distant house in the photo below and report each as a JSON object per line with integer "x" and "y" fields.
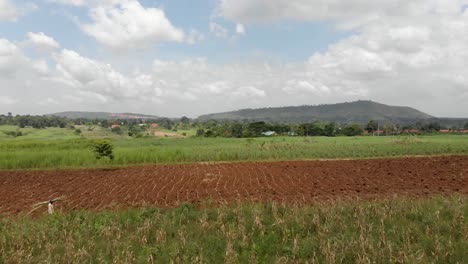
{"x": 465, "y": 131}
{"x": 154, "y": 125}
{"x": 444, "y": 131}
{"x": 115, "y": 126}
{"x": 269, "y": 133}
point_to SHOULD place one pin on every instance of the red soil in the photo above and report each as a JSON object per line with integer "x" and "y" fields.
{"x": 299, "y": 182}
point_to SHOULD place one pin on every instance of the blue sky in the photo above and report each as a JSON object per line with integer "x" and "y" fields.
{"x": 185, "y": 57}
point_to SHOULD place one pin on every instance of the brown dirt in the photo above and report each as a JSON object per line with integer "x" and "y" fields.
{"x": 299, "y": 182}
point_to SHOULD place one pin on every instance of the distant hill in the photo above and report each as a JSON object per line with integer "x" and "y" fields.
{"x": 102, "y": 115}
{"x": 353, "y": 112}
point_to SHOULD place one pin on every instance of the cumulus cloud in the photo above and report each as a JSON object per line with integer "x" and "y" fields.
{"x": 129, "y": 25}
{"x": 349, "y": 13}
{"x": 87, "y": 2}
{"x": 8, "y": 11}
{"x": 11, "y": 11}
{"x": 240, "y": 29}
{"x": 42, "y": 42}
{"x": 11, "y": 58}
{"x": 100, "y": 78}
{"x": 249, "y": 91}
{"x": 15, "y": 64}
{"x": 7, "y": 100}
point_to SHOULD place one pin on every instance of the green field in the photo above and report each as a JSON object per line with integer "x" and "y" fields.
{"x": 55, "y": 148}
{"x": 397, "y": 230}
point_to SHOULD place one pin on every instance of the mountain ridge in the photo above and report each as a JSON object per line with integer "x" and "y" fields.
{"x": 101, "y": 115}
{"x": 349, "y": 112}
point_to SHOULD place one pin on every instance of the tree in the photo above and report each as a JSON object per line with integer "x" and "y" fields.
{"x": 352, "y": 130}
{"x": 465, "y": 126}
{"x": 372, "y": 126}
{"x": 389, "y": 129}
{"x": 103, "y": 149}
{"x": 431, "y": 127}
{"x": 330, "y": 129}
{"x": 237, "y": 130}
{"x": 104, "y": 123}
{"x": 185, "y": 120}
{"x": 256, "y": 129}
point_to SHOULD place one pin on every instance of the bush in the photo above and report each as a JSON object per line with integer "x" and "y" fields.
{"x": 16, "y": 133}
{"x": 103, "y": 149}
{"x": 117, "y": 130}
{"x": 200, "y": 132}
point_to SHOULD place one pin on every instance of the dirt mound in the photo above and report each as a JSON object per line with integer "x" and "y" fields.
{"x": 299, "y": 182}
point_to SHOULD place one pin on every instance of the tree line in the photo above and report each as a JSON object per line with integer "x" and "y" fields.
{"x": 213, "y": 128}
{"x": 236, "y": 129}
{"x": 23, "y": 121}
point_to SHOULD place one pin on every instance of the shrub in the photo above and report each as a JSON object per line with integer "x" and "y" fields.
{"x": 103, "y": 149}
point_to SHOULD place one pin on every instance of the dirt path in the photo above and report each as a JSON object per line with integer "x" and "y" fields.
{"x": 291, "y": 182}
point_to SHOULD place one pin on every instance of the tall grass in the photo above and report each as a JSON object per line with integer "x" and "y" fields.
{"x": 430, "y": 230}
{"x": 72, "y": 153}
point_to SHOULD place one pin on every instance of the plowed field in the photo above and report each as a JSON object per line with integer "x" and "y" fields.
{"x": 295, "y": 182}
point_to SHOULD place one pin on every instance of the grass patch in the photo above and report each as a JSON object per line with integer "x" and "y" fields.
{"x": 76, "y": 153}
{"x": 398, "y": 230}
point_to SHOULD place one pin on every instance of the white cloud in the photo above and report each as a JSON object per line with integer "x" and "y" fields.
{"x": 348, "y": 13}
{"x": 216, "y": 87}
{"x": 240, "y": 29}
{"x": 89, "y": 75}
{"x": 8, "y": 11}
{"x": 41, "y": 67}
{"x": 42, "y": 42}
{"x": 218, "y": 30}
{"x": 129, "y": 25}
{"x": 11, "y": 58}
{"x": 7, "y": 100}
{"x": 88, "y": 2}
{"x": 249, "y": 91}
{"x": 49, "y": 101}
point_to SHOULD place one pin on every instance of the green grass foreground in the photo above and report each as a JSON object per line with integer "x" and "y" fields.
{"x": 397, "y": 230}
{"x": 76, "y": 153}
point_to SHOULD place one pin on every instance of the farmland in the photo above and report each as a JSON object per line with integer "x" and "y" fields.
{"x": 268, "y": 199}
{"x": 288, "y": 182}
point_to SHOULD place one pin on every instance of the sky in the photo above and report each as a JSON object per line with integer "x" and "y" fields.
{"x": 185, "y": 57}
